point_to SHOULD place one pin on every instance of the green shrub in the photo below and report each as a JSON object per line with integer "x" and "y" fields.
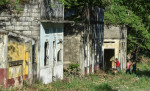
{"x": 72, "y": 70}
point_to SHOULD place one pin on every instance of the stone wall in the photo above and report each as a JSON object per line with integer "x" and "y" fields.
{"x": 27, "y": 22}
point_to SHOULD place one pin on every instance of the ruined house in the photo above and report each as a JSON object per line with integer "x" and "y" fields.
{"x": 96, "y": 46}
{"x": 42, "y": 23}
{"x": 114, "y": 46}
{"x": 15, "y": 58}
{"x": 83, "y": 43}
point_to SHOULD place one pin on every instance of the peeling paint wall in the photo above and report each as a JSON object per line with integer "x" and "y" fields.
{"x": 16, "y": 59}
{"x": 51, "y": 34}
{"x": 83, "y": 43}
{"x": 115, "y": 37}
{"x": 3, "y": 59}
{"x": 18, "y": 50}
{"x": 112, "y": 44}
{"x": 73, "y": 46}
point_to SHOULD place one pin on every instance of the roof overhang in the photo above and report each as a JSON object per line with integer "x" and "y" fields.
{"x": 57, "y": 21}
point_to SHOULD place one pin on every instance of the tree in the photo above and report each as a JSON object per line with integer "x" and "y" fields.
{"x": 2, "y": 2}
{"x": 134, "y": 14}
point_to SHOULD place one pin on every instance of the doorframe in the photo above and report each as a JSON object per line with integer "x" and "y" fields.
{"x": 104, "y": 55}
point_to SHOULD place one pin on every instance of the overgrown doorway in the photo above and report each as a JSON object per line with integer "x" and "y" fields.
{"x": 109, "y": 56}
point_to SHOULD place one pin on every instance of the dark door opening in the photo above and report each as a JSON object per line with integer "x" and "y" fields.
{"x": 108, "y": 58}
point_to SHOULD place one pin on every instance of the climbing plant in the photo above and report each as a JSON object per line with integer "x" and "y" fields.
{"x": 13, "y": 5}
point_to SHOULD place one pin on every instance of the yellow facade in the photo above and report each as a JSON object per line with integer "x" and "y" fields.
{"x": 18, "y": 51}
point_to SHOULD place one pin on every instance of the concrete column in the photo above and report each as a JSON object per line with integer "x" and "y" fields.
{"x": 3, "y": 59}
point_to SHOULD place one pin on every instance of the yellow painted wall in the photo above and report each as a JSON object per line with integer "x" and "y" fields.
{"x": 15, "y": 71}
{"x": 18, "y": 51}
{"x": 114, "y": 46}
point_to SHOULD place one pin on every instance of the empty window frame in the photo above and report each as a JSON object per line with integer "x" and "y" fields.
{"x": 109, "y": 41}
{"x": 59, "y": 56}
{"x": 46, "y": 55}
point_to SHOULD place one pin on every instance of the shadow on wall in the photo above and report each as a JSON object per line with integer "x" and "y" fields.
{"x": 70, "y": 29}
{"x": 88, "y": 38}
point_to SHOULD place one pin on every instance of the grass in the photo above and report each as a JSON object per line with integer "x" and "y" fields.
{"x": 110, "y": 82}
{"x": 101, "y": 82}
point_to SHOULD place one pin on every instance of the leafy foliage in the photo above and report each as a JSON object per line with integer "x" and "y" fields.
{"x": 72, "y": 70}
{"x": 134, "y": 14}
{"x": 122, "y": 14}
{"x": 2, "y": 2}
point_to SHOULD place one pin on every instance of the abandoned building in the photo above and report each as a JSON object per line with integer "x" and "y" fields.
{"x": 36, "y": 43}
{"x": 83, "y": 43}
{"x": 114, "y": 46}
{"x": 97, "y": 49}
{"x": 32, "y": 43}
{"x": 15, "y": 58}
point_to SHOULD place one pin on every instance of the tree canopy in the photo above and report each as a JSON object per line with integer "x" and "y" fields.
{"x": 134, "y": 14}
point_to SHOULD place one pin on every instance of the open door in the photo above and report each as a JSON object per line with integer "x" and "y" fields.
{"x": 109, "y": 59}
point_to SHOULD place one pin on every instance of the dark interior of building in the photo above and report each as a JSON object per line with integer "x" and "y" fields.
{"x": 108, "y": 58}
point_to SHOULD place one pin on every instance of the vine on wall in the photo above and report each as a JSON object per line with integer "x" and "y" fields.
{"x": 14, "y": 6}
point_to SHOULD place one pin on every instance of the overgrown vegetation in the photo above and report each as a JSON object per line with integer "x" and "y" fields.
{"x": 72, "y": 70}
{"x": 4, "y": 2}
{"x": 98, "y": 82}
{"x": 13, "y": 6}
{"x": 134, "y": 14}
{"x": 110, "y": 82}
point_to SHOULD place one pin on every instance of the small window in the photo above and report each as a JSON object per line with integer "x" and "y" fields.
{"x": 46, "y": 55}
{"x": 109, "y": 42}
{"x": 59, "y": 55}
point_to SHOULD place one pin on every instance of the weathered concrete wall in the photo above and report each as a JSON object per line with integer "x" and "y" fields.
{"x": 115, "y": 37}
{"x": 18, "y": 52}
{"x": 3, "y": 59}
{"x": 80, "y": 48}
{"x": 83, "y": 43}
{"x": 15, "y": 76}
{"x": 52, "y": 10}
{"x": 59, "y": 71}
{"x": 46, "y": 75}
{"x": 112, "y": 32}
{"x": 109, "y": 45}
{"x": 27, "y": 22}
{"x": 73, "y": 46}
{"x": 51, "y": 34}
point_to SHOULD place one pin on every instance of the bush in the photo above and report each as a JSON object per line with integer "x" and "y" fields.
{"x": 72, "y": 70}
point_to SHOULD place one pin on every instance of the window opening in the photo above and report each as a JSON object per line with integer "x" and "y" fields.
{"x": 59, "y": 55}
{"x": 109, "y": 42}
{"x": 46, "y": 55}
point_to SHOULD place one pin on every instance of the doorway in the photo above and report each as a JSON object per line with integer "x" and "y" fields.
{"x": 109, "y": 56}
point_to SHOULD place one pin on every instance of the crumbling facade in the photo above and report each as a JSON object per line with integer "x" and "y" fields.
{"x": 83, "y": 43}
{"x": 115, "y": 46}
{"x": 42, "y": 23}
{"x": 16, "y": 58}
{"x": 95, "y": 46}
